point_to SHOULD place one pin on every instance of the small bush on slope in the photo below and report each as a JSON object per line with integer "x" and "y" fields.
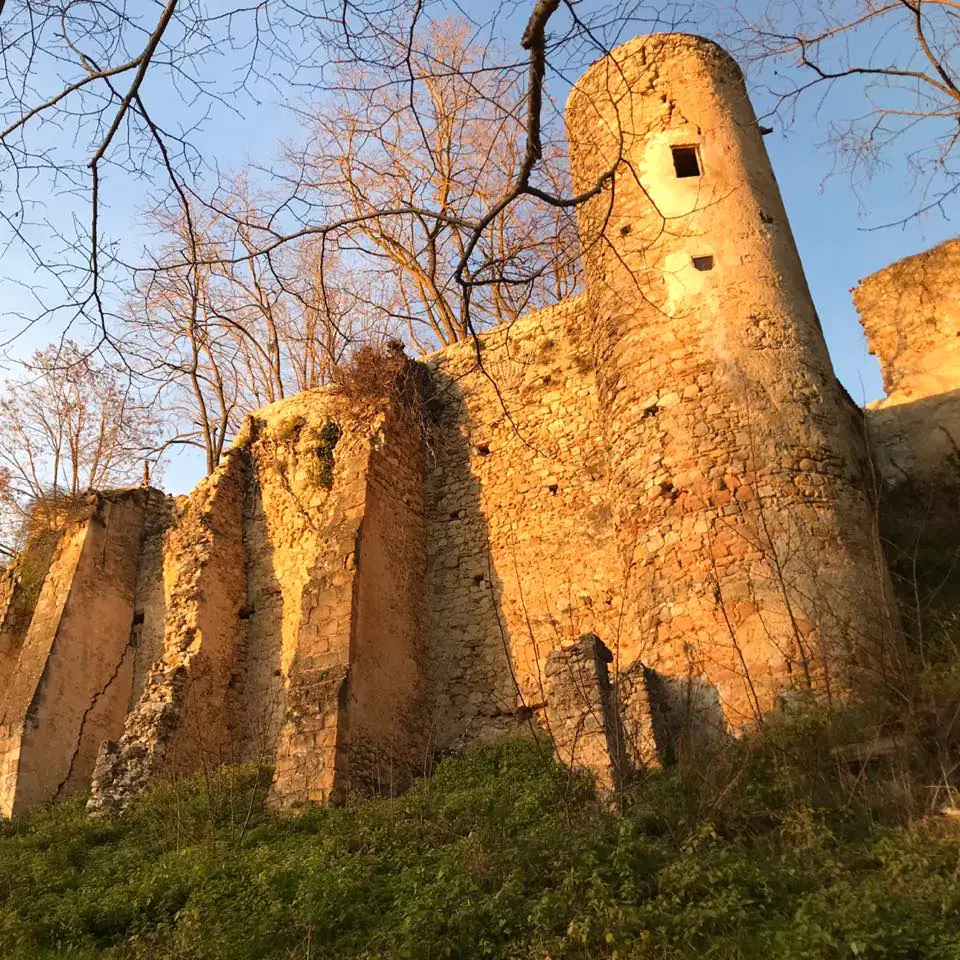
{"x": 499, "y": 854}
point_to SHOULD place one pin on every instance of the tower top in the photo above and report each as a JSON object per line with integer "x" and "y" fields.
{"x": 655, "y": 49}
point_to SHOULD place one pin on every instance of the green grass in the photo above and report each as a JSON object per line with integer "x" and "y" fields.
{"x": 500, "y": 853}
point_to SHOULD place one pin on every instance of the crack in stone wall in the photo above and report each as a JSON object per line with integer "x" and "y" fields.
{"x": 73, "y": 674}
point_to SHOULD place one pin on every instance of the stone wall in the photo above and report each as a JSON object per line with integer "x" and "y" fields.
{"x": 293, "y": 619}
{"x": 910, "y": 312}
{"x": 388, "y": 737}
{"x": 31, "y": 661}
{"x": 630, "y": 521}
{"x": 737, "y": 487}
{"x": 20, "y": 586}
{"x": 314, "y": 531}
{"x": 74, "y": 672}
{"x": 179, "y": 721}
{"x": 521, "y": 551}
{"x": 150, "y": 609}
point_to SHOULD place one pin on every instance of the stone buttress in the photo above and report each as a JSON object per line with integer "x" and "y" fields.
{"x": 293, "y": 635}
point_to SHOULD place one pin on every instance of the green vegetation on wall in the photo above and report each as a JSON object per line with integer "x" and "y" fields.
{"x": 322, "y": 446}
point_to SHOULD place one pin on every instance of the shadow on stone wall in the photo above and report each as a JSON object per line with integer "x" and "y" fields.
{"x": 476, "y": 692}
{"x": 256, "y": 700}
{"x": 917, "y": 448}
{"x": 686, "y": 714}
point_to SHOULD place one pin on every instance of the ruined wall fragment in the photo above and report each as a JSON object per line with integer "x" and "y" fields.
{"x": 313, "y": 529}
{"x": 581, "y": 716}
{"x": 354, "y": 674}
{"x": 20, "y": 586}
{"x": 388, "y": 738}
{"x": 72, "y": 680}
{"x": 180, "y": 720}
{"x": 910, "y": 312}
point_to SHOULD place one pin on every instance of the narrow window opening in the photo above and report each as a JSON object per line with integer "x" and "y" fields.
{"x": 703, "y": 263}
{"x": 686, "y": 163}
{"x": 138, "y": 618}
{"x": 483, "y": 450}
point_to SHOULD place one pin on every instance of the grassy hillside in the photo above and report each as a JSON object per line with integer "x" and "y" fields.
{"x": 501, "y": 853}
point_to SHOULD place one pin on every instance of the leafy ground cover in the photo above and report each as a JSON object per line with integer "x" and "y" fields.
{"x": 499, "y": 853}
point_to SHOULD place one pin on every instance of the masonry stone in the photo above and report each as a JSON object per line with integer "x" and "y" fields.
{"x": 910, "y": 312}
{"x": 629, "y": 523}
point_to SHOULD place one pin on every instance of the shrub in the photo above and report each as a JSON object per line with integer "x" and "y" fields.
{"x": 500, "y": 853}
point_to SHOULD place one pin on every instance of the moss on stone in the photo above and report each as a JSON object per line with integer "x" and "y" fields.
{"x": 320, "y": 447}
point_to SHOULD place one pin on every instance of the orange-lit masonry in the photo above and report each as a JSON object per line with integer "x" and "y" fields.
{"x": 653, "y": 506}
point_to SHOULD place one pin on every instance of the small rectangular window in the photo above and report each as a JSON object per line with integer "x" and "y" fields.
{"x": 703, "y": 263}
{"x": 686, "y": 162}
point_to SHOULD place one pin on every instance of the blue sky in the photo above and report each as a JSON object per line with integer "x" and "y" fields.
{"x": 830, "y": 220}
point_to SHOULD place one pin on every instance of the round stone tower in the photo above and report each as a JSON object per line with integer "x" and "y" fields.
{"x": 736, "y": 468}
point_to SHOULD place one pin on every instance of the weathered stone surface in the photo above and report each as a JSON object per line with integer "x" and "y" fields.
{"x": 179, "y": 723}
{"x": 664, "y": 467}
{"x": 737, "y": 486}
{"x": 521, "y": 553}
{"x": 910, "y": 312}
{"x": 581, "y": 717}
{"x": 71, "y": 685}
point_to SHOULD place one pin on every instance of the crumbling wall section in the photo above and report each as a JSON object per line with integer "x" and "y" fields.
{"x": 388, "y": 737}
{"x": 180, "y": 720}
{"x": 73, "y": 676}
{"x": 20, "y": 586}
{"x": 581, "y": 713}
{"x": 911, "y": 316}
{"x": 32, "y": 660}
{"x": 910, "y": 313}
{"x": 150, "y": 598}
{"x": 310, "y": 456}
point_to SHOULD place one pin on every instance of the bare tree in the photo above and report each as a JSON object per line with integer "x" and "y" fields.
{"x": 216, "y": 331}
{"x": 99, "y": 94}
{"x": 178, "y": 343}
{"x": 294, "y": 323}
{"x": 68, "y": 425}
{"x": 895, "y": 62}
{"x": 409, "y": 163}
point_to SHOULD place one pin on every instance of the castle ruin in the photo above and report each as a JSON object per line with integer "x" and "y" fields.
{"x": 648, "y": 505}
